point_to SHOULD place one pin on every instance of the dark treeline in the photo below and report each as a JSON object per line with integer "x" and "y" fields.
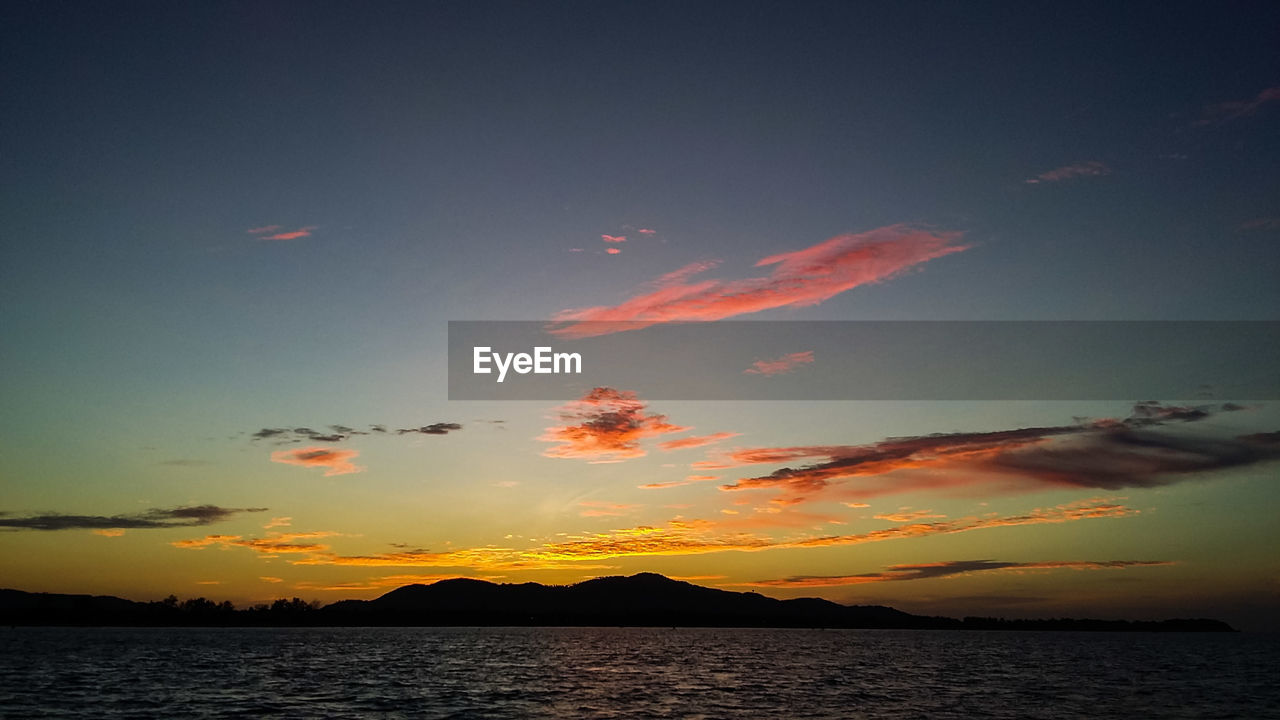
{"x": 640, "y": 600}
{"x": 21, "y": 608}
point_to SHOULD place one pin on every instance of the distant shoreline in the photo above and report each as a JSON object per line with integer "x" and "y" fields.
{"x": 645, "y": 600}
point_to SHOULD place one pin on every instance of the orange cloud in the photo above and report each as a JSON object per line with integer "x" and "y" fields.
{"x": 800, "y": 278}
{"x": 485, "y": 558}
{"x": 292, "y": 235}
{"x": 693, "y": 537}
{"x": 337, "y": 462}
{"x": 205, "y": 541}
{"x": 278, "y": 522}
{"x": 613, "y": 251}
{"x": 696, "y": 441}
{"x": 1092, "y": 168}
{"x": 108, "y": 532}
{"x": 691, "y": 479}
{"x": 606, "y": 425}
{"x": 784, "y": 364}
{"x": 381, "y": 583}
{"x": 678, "y": 537}
{"x": 269, "y": 579}
{"x": 905, "y": 515}
{"x": 270, "y": 546}
{"x": 925, "y": 571}
{"x": 598, "y": 508}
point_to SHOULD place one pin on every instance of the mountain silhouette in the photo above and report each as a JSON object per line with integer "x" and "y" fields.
{"x": 646, "y": 599}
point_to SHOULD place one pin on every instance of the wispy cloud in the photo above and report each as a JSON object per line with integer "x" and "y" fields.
{"x": 292, "y": 234}
{"x": 696, "y": 441}
{"x": 926, "y": 571}
{"x": 336, "y": 462}
{"x": 278, "y": 522}
{"x": 1266, "y": 223}
{"x": 383, "y": 582}
{"x": 784, "y": 364}
{"x": 605, "y": 425}
{"x": 1107, "y": 454}
{"x": 689, "y": 480}
{"x": 647, "y": 231}
{"x": 263, "y": 229}
{"x": 432, "y": 429}
{"x": 905, "y": 515}
{"x": 800, "y": 278}
{"x": 696, "y": 537}
{"x": 1092, "y": 168}
{"x": 677, "y": 537}
{"x": 614, "y": 238}
{"x": 1226, "y": 111}
{"x": 599, "y": 508}
{"x": 339, "y": 433}
{"x": 273, "y": 545}
{"x": 184, "y": 516}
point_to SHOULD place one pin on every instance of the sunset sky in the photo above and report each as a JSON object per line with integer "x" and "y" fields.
{"x": 232, "y": 235}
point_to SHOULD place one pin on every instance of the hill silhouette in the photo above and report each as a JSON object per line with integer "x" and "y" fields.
{"x": 646, "y": 599}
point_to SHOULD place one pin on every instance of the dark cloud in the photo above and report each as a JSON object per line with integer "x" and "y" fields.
{"x": 185, "y": 516}
{"x": 339, "y": 433}
{"x": 433, "y": 429}
{"x": 1142, "y": 450}
{"x": 1115, "y": 459}
{"x": 926, "y": 571}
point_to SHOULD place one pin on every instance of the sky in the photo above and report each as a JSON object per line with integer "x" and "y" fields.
{"x": 233, "y": 234}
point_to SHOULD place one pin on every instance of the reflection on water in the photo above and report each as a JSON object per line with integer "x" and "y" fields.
{"x": 630, "y": 673}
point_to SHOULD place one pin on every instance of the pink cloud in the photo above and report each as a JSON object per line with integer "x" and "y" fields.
{"x": 605, "y": 425}
{"x": 784, "y": 364}
{"x": 696, "y": 441}
{"x": 647, "y": 231}
{"x": 263, "y": 229}
{"x": 1222, "y": 112}
{"x": 1266, "y": 223}
{"x": 614, "y": 238}
{"x": 612, "y": 251}
{"x": 337, "y": 462}
{"x": 798, "y": 279}
{"x": 293, "y": 235}
{"x": 1092, "y": 168}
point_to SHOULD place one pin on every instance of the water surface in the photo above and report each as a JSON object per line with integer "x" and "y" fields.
{"x": 631, "y": 673}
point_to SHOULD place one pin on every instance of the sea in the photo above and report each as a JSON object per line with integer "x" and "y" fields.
{"x": 632, "y": 673}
